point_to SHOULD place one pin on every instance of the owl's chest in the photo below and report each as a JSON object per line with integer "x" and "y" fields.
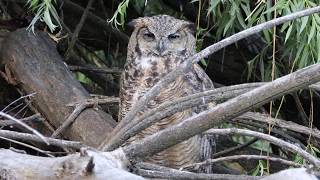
{"x": 147, "y": 71}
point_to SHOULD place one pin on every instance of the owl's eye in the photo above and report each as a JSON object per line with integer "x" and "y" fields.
{"x": 148, "y": 36}
{"x": 173, "y": 36}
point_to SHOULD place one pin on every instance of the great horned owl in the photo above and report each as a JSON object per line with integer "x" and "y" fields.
{"x": 156, "y": 47}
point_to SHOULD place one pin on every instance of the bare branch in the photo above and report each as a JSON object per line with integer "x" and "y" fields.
{"x": 69, "y": 120}
{"x": 96, "y": 69}
{"x": 28, "y": 146}
{"x": 81, "y": 106}
{"x": 35, "y": 117}
{"x": 25, "y": 125}
{"x": 155, "y": 171}
{"x": 78, "y": 28}
{"x": 235, "y": 148}
{"x": 34, "y": 138}
{"x": 196, "y": 166}
{"x": 280, "y": 123}
{"x": 271, "y": 139}
{"x": 20, "y": 98}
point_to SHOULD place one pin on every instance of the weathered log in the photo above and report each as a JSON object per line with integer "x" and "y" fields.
{"x": 85, "y": 165}
{"x": 32, "y": 64}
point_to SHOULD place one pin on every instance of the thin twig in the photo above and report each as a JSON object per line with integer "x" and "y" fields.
{"x": 276, "y": 141}
{"x": 280, "y": 123}
{"x": 79, "y": 108}
{"x": 207, "y": 162}
{"x": 103, "y": 8}
{"x": 20, "y": 98}
{"x": 253, "y": 126}
{"x": 302, "y": 113}
{"x": 25, "y": 125}
{"x": 155, "y": 171}
{"x": 35, "y": 117}
{"x": 28, "y": 146}
{"x": 95, "y": 69}
{"x": 154, "y": 91}
{"x": 235, "y": 148}
{"x": 76, "y": 32}
{"x": 34, "y": 138}
{"x": 97, "y": 99}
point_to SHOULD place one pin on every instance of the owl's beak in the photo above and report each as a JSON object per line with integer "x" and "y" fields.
{"x": 161, "y": 47}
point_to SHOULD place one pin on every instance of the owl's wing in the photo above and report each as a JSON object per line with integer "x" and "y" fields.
{"x": 207, "y": 141}
{"x": 203, "y": 78}
{"x": 201, "y": 82}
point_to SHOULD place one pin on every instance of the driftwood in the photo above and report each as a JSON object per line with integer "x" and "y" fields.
{"x": 32, "y": 64}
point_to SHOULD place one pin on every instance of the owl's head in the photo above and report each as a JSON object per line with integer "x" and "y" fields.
{"x": 162, "y": 35}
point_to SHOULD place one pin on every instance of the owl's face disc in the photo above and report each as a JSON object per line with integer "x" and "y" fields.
{"x": 163, "y": 35}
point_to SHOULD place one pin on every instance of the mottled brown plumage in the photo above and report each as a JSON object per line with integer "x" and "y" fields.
{"x": 157, "y": 46}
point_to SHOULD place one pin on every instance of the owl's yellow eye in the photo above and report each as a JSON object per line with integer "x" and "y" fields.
{"x": 173, "y": 36}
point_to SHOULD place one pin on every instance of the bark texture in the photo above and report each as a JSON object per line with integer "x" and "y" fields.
{"x": 31, "y": 62}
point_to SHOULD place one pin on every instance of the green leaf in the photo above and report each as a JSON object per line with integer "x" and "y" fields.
{"x": 317, "y": 18}
{"x": 318, "y": 45}
{"x": 304, "y": 22}
{"x": 284, "y": 26}
{"x": 241, "y": 21}
{"x": 228, "y": 25}
{"x": 212, "y": 7}
{"x": 288, "y": 33}
{"x": 304, "y": 58}
{"x": 279, "y": 6}
{"x": 312, "y": 31}
{"x": 203, "y": 62}
{"x": 246, "y": 9}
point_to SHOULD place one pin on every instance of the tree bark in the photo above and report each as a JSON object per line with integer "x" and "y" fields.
{"x": 32, "y": 64}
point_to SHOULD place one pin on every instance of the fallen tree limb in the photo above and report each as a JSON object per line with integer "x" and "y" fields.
{"x": 32, "y": 63}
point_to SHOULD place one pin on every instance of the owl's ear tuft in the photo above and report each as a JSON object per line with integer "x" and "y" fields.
{"x": 136, "y": 23}
{"x": 191, "y": 27}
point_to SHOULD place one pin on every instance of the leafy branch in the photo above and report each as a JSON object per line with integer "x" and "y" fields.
{"x": 45, "y": 11}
